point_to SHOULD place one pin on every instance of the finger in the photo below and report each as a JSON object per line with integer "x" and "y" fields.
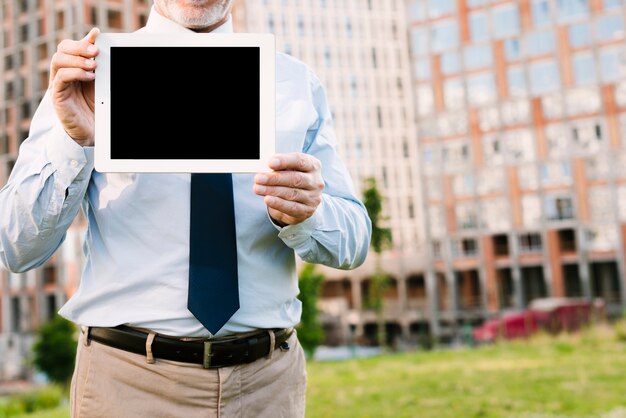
{"x": 92, "y": 35}
{"x": 294, "y": 210}
{"x": 84, "y": 47}
{"x": 295, "y": 161}
{"x": 286, "y": 193}
{"x": 62, "y": 60}
{"x": 66, "y": 76}
{"x": 294, "y": 179}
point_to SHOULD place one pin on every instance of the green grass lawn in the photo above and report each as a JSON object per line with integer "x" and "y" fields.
{"x": 573, "y": 376}
{"x": 570, "y": 376}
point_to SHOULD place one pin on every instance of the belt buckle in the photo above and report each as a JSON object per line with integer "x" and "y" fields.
{"x": 206, "y": 358}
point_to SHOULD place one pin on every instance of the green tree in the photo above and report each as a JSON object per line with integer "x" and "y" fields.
{"x": 381, "y": 240}
{"x": 54, "y": 350}
{"x": 310, "y": 331}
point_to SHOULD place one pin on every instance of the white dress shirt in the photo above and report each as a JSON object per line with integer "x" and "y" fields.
{"x": 137, "y": 240}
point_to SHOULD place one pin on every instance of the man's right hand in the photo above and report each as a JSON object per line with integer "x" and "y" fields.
{"x": 72, "y": 86}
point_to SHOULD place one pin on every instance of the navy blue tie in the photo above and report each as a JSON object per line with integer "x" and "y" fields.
{"x": 213, "y": 286}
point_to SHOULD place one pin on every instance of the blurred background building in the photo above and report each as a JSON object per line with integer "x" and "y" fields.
{"x": 521, "y": 115}
{"x": 493, "y": 129}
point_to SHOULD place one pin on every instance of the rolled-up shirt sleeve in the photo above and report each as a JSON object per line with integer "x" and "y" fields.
{"x": 43, "y": 193}
{"x": 339, "y": 232}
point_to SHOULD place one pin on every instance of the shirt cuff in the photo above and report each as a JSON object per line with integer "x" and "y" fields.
{"x": 298, "y": 234}
{"x": 71, "y": 161}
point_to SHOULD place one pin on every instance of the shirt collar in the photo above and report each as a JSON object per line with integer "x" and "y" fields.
{"x": 158, "y": 23}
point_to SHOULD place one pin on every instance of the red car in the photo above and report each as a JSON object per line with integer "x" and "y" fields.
{"x": 550, "y": 314}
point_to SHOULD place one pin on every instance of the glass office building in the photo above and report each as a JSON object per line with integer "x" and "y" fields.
{"x": 360, "y": 51}
{"x": 31, "y": 31}
{"x": 521, "y": 118}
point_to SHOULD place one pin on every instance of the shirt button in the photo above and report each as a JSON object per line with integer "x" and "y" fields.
{"x": 292, "y": 236}
{"x": 74, "y": 163}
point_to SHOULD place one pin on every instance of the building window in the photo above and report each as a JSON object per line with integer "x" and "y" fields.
{"x": 456, "y": 155}
{"x": 24, "y": 33}
{"x": 555, "y": 173}
{"x": 584, "y": 68}
{"x": 437, "y": 8}
{"x": 583, "y": 100}
{"x": 611, "y": 67}
{"x": 425, "y": 100}
{"x": 621, "y": 198}
{"x": 422, "y": 69}
{"x": 579, "y": 35}
{"x": 552, "y": 106}
{"x": 437, "y": 252}
{"x": 464, "y": 247}
{"x": 528, "y": 177}
{"x": 490, "y": 180}
{"x": 515, "y": 112}
{"x": 505, "y": 20}
{"x": 436, "y": 222}
{"x": 477, "y": 56}
{"x": 419, "y": 41}
{"x": 512, "y": 49}
{"x": 530, "y": 243}
{"x": 558, "y": 208}
{"x": 300, "y": 23}
{"x": 450, "y": 63}
{"x": 479, "y": 26}
{"x": 51, "y": 302}
{"x": 601, "y": 204}
{"x": 544, "y": 77}
{"x": 610, "y": 28}
{"x": 557, "y": 140}
{"x": 541, "y": 12}
{"x": 454, "y": 94}
{"x": 94, "y": 15}
{"x": 417, "y": 10}
{"x": 519, "y": 145}
{"x": 444, "y": 35}
{"x": 452, "y": 124}
{"x": 516, "y": 82}
{"x": 587, "y": 136}
{"x": 531, "y": 211}
{"x": 49, "y": 275}
{"x": 602, "y": 238}
{"x": 540, "y": 43}
{"x": 433, "y": 187}
{"x": 114, "y": 19}
{"x": 463, "y": 184}
{"x": 570, "y": 9}
{"x": 481, "y": 89}
{"x": 492, "y": 150}
{"x": 489, "y": 118}
{"x": 8, "y": 62}
{"x": 495, "y": 214}
{"x": 327, "y": 57}
{"x": 598, "y": 168}
{"x": 466, "y": 216}
{"x": 612, "y": 4}
{"x": 16, "y": 314}
{"x": 477, "y": 3}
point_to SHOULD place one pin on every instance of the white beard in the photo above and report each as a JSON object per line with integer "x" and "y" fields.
{"x": 195, "y": 14}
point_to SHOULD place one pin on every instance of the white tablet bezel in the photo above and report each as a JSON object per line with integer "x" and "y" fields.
{"x": 102, "y": 148}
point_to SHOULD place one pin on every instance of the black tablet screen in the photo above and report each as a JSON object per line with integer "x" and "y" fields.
{"x": 185, "y": 103}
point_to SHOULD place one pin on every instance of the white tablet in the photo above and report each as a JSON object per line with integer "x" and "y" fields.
{"x": 197, "y": 102}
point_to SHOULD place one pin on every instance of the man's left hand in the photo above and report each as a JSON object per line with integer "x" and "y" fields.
{"x": 293, "y": 191}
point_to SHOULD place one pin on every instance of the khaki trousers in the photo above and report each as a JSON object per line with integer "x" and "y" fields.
{"x": 112, "y": 383}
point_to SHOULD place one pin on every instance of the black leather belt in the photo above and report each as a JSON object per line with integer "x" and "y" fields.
{"x": 211, "y": 353}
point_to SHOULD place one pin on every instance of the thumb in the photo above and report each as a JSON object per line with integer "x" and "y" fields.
{"x": 91, "y": 36}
